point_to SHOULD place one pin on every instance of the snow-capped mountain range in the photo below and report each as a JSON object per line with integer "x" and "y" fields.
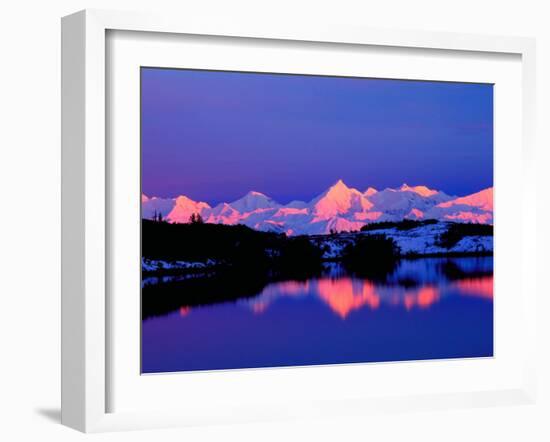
{"x": 339, "y": 208}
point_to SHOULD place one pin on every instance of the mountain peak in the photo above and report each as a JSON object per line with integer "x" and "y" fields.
{"x": 253, "y": 201}
{"x": 370, "y": 191}
{"x": 183, "y": 200}
{"x": 420, "y": 190}
{"x": 339, "y": 189}
{"x": 186, "y": 202}
{"x": 337, "y": 199}
{"x": 254, "y": 193}
{"x": 339, "y": 184}
{"x": 184, "y": 207}
{"x": 482, "y": 200}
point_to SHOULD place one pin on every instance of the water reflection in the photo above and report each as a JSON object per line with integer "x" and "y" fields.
{"x": 418, "y": 283}
{"x": 482, "y": 287}
{"x": 414, "y": 284}
{"x": 421, "y": 309}
{"x": 346, "y": 294}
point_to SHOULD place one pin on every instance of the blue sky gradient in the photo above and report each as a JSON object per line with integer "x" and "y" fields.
{"x": 213, "y": 136}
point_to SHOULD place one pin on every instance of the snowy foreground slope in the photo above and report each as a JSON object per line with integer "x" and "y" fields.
{"x": 338, "y": 209}
{"x": 418, "y": 241}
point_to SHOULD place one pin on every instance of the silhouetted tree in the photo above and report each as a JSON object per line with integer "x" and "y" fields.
{"x": 371, "y": 256}
{"x": 157, "y": 217}
{"x": 196, "y": 218}
{"x": 405, "y": 224}
{"x": 457, "y": 231}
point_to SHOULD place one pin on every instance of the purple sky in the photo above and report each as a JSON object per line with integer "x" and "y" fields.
{"x": 213, "y": 136}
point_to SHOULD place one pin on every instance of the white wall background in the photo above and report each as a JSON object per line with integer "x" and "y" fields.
{"x": 30, "y": 220}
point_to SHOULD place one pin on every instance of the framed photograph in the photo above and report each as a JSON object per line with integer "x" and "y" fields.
{"x": 265, "y": 222}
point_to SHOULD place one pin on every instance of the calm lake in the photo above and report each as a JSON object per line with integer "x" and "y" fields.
{"x": 428, "y": 308}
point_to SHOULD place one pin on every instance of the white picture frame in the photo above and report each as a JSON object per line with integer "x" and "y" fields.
{"x": 85, "y": 215}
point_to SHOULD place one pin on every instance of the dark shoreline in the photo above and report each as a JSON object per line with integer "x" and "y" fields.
{"x": 222, "y": 267}
{"x": 216, "y": 249}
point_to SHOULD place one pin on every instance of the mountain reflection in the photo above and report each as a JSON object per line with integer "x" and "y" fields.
{"x": 482, "y": 287}
{"x": 345, "y": 294}
{"x": 412, "y": 285}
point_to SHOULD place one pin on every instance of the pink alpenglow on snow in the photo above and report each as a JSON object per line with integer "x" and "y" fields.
{"x": 184, "y": 208}
{"x": 474, "y": 208}
{"x": 339, "y": 208}
{"x": 339, "y": 200}
{"x": 421, "y": 190}
{"x": 370, "y": 191}
{"x": 415, "y": 214}
{"x": 482, "y": 200}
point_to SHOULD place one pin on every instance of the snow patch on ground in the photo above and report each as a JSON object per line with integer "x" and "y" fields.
{"x": 474, "y": 244}
{"x": 158, "y": 265}
{"x": 423, "y": 240}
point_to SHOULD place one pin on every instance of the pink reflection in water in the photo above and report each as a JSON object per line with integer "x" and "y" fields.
{"x": 422, "y": 298}
{"x": 481, "y": 287}
{"x": 346, "y": 294}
